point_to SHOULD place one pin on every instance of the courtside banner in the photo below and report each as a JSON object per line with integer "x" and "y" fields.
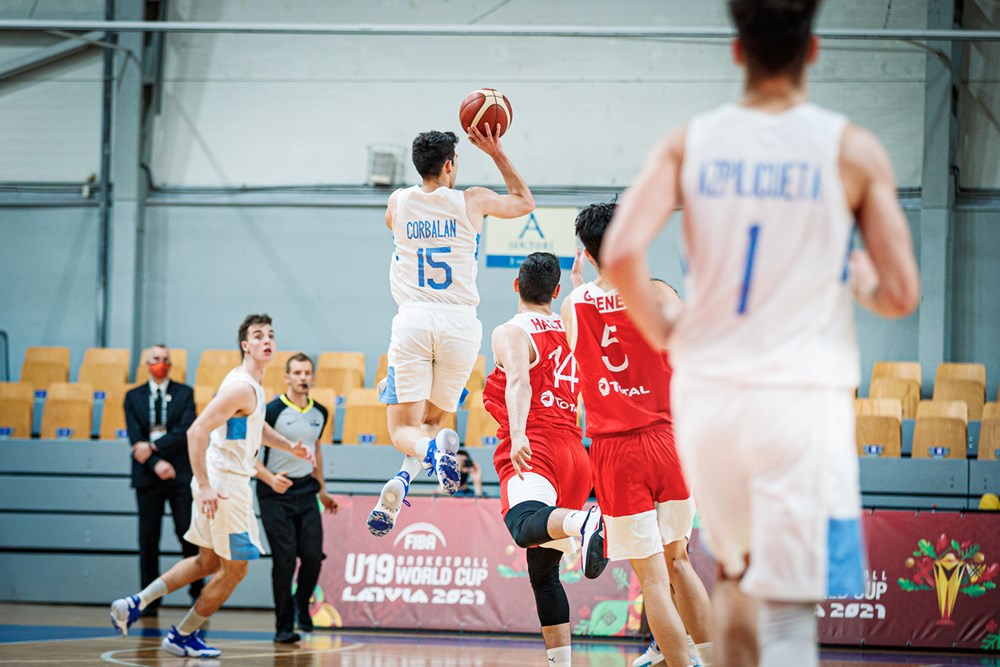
{"x": 932, "y": 582}
{"x": 450, "y": 564}
{"x": 548, "y": 229}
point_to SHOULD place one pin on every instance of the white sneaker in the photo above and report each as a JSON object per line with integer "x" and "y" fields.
{"x": 445, "y": 444}
{"x": 383, "y": 517}
{"x": 652, "y": 656}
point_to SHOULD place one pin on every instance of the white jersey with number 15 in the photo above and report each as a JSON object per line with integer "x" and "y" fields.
{"x": 436, "y": 253}
{"x": 767, "y": 234}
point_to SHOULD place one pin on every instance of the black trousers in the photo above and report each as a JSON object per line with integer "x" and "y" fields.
{"x": 152, "y": 502}
{"x": 294, "y": 531}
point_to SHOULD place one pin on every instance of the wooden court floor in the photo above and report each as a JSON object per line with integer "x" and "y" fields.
{"x": 67, "y": 636}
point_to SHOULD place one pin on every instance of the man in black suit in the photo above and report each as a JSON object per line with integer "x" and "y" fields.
{"x": 158, "y": 415}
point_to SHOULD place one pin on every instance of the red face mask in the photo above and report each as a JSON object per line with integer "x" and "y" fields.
{"x": 159, "y": 370}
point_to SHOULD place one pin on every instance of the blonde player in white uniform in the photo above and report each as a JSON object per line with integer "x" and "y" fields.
{"x": 436, "y": 335}
{"x": 764, "y": 351}
{"x": 223, "y": 443}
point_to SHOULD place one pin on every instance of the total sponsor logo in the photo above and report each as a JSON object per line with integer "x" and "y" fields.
{"x": 548, "y": 399}
{"x": 606, "y": 386}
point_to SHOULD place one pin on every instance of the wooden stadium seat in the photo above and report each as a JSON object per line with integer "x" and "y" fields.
{"x": 178, "y": 366}
{"x": 45, "y": 365}
{"x": 477, "y": 379}
{"x": 68, "y": 407}
{"x": 114, "y": 356}
{"x": 878, "y": 426}
{"x": 989, "y": 433}
{"x": 274, "y": 374}
{"x": 383, "y": 368}
{"x": 962, "y": 382}
{"x": 214, "y": 365}
{"x": 103, "y": 377}
{"x": 328, "y": 399}
{"x": 341, "y": 371}
{"x": 113, "y": 413}
{"x": 364, "y": 419}
{"x": 941, "y": 430}
{"x": 202, "y": 395}
{"x": 17, "y": 404}
{"x": 481, "y": 428}
{"x": 56, "y": 354}
{"x": 897, "y": 379}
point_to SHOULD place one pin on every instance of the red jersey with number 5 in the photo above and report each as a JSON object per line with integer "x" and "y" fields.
{"x": 625, "y": 382}
{"x": 555, "y": 391}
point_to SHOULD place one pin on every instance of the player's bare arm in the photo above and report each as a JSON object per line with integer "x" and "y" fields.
{"x": 480, "y": 202}
{"x": 884, "y": 277}
{"x": 237, "y": 399}
{"x": 390, "y": 207}
{"x": 569, "y": 324}
{"x": 644, "y": 210}
{"x": 271, "y": 438}
{"x": 278, "y": 482}
{"x": 513, "y": 352}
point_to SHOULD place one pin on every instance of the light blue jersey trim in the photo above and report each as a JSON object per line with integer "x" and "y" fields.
{"x": 388, "y": 393}
{"x": 241, "y": 548}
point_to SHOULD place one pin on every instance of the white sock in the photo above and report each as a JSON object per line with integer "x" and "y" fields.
{"x": 573, "y": 523}
{"x": 559, "y": 656}
{"x": 703, "y": 652}
{"x": 421, "y": 449}
{"x": 412, "y": 466}
{"x": 151, "y": 593}
{"x": 191, "y": 622}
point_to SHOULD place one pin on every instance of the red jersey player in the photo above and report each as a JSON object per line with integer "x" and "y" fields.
{"x": 544, "y": 470}
{"x": 648, "y": 507}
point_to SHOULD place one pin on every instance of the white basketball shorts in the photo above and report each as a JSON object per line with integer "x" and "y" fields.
{"x": 775, "y": 474}
{"x": 431, "y": 354}
{"x": 233, "y": 534}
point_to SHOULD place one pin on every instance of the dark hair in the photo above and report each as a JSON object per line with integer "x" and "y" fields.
{"x": 661, "y": 280}
{"x": 249, "y": 321}
{"x": 538, "y": 278}
{"x": 431, "y": 150}
{"x": 298, "y": 356}
{"x": 591, "y": 223}
{"x": 774, "y": 34}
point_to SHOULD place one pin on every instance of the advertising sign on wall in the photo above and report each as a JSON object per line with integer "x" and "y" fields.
{"x": 546, "y": 229}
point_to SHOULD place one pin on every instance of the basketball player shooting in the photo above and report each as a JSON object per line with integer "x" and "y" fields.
{"x": 436, "y": 335}
{"x": 764, "y": 350}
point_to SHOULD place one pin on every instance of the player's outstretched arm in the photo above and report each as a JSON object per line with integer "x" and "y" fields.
{"x": 236, "y": 399}
{"x": 642, "y": 213}
{"x": 481, "y": 202}
{"x": 512, "y": 351}
{"x": 888, "y": 284}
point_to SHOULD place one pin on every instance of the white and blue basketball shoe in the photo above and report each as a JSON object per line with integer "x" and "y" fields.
{"x": 124, "y": 612}
{"x": 393, "y": 495}
{"x": 442, "y": 460}
{"x": 188, "y": 646}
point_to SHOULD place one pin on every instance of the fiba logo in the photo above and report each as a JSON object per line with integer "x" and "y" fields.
{"x": 604, "y": 386}
{"x": 421, "y": 537}
{"x": 547, "y": 399}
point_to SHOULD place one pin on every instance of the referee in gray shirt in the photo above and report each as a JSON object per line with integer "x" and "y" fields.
{"x": 287, "y": 491}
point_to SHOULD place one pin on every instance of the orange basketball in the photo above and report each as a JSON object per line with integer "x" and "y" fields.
{"x": 486, "y": 106}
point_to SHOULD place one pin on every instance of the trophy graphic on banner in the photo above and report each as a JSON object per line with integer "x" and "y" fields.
{"x": 949, "y": 568}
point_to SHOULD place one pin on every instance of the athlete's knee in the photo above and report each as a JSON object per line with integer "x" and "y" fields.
{"x": 207, "y": 561}
{"x": 676, "y": 557}
{"x": 235, "y": 570}
{"x": 528, "y": 523}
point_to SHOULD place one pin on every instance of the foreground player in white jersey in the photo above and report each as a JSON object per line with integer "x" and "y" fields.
{"x": 223, "y": 443}
{"x": 764, "y": 351}
{"x": 436, "y": 335}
